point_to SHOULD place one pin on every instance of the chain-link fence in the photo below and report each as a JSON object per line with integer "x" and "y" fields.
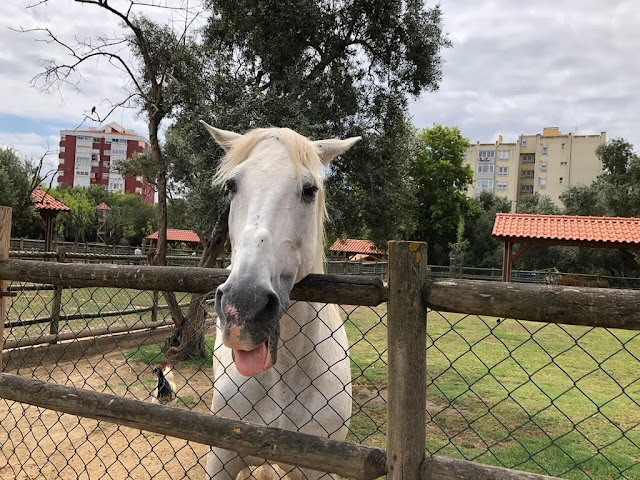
{"x": 556, "y": 399}
{"x": 98, "y": 349}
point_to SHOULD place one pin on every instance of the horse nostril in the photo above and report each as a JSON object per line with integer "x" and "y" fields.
{"x": 273, "y": 305}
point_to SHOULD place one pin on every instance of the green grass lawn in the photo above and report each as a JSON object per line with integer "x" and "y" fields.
{"x": 557, "y": 400}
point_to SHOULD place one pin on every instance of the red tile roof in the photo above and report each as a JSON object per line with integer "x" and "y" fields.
{"x": 567, "y": 228}
{"x": 43, "y": 201}
{"x": 175, "y": 235}
{"x": 355, "y": 246}
{"x": 103, "y": 206}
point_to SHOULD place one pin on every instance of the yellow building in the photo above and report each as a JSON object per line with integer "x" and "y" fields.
{"x": 546, "y": 163}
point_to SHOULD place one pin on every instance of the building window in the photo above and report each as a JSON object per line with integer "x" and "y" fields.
{"x": 139, "y": 178}
{"x": 106, "y": 164}
{"x": 523, "y": 143}
{"x": 485, "y": 168}
{"x": 107, "y": 152}
{"x": 544, "y": 149}
{"x": 562, "y": 146}
{"x": 529, "y": 158}
{"x": 486, "y": 155}
{"x": 561, "y": 180}
{"x": 83, "y": 161}
{"x": 542, "y": 183}
{"x": 503, "y": 171}
{"x": 484, "y": 185}
{"x": 526, "y": 189}
{"x": 503, "y": 154}
{"x": 96, "y": 139}
{"x": 543, "y": 166}
{"x": 63, "y": 137}
{"x": 501, "y": 186}
{"x": 61, "y": 149}
{"x": 527, "y": 173}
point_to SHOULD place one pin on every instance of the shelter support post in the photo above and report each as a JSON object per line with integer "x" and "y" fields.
{"x": 506, "y": 262}
{"x": 406, "y": 333}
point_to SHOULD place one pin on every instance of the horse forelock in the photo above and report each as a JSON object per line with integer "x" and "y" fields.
{"x": 301, "y": 153}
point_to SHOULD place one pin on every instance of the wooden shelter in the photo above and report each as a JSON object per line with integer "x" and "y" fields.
{"x": 564, "y": 230}
{"x": 357, "y": 250}
{"x": 48, "y": 207}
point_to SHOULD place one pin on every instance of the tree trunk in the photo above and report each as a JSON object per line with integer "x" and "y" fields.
{"x": 187, "y": 339}
{"x": 160, "y": 256}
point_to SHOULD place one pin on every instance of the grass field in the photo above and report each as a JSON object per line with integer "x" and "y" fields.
{"x": 558, "y": 400}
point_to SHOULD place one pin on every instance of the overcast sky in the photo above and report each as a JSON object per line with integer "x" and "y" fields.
{"x": 515, "y": 67}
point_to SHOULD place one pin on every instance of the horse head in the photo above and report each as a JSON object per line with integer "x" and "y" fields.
{"x": 274, "y": 178}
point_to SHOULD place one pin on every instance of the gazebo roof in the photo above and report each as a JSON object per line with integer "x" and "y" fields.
{"x": 355, "y": 246}
{"x": 613, "y": 232}
{"x": 44, "y": 201}
{"x": 175, "y": 235}
{"x": 103, "y": 206}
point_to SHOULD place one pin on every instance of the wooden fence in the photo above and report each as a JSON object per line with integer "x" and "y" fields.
{"x": 409, "y": 293}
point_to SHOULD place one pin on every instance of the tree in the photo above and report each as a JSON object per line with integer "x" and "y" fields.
{"x": 538, "y": 204}
{"x": 325, "y": 70}
{"x": 163, "y": 66}
{"x": 484, "y": 250}
{"x": 441, "y": 181}
{"x": 18, "y": 179}
{"x": 80, "y": 222}
{"x": 163, "y": 70}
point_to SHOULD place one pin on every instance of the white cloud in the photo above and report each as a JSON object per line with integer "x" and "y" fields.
{"x": 517, "y": 67}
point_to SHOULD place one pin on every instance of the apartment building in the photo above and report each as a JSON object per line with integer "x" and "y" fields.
{"x": 89, "y": 157}
{"x": 546, "y": 163}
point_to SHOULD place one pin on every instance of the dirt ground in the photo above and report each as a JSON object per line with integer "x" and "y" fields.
{"x": 43, "y": 444}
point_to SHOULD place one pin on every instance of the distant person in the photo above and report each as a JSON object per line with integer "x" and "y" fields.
{"x": 137, "y": 251}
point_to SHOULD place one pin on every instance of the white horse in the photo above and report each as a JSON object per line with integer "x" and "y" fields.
{"x": 275, "y": 364}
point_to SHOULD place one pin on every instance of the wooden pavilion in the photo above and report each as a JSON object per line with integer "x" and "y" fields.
{"x": 564, "y": 230}
{"x": 48, "y": 208}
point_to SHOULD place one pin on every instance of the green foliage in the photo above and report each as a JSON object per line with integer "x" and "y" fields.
{"x": 79, "y": 223}
{"x": 538, "y": 204}
{"x": 324, "y": 70}
{"x": 441, "y": 181}
{"x": 130, "y": 218}
{"x": 16, "y": 177}
{"x": 484, "y": 250}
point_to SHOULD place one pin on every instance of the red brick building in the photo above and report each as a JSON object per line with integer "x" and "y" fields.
{"x": 88, "y": 157}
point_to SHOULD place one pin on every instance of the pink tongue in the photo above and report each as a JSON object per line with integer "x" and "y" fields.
{"x": 252, "y": 362}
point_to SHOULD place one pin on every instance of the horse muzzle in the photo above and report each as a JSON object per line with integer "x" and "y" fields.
{"x": 250, "y": 325}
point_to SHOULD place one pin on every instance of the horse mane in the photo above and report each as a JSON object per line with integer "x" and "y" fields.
{"x": 302, "y": 154}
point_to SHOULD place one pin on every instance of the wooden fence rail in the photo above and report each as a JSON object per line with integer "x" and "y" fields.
{"x": 594, "y": 307}
{"x": 343, "y": 458}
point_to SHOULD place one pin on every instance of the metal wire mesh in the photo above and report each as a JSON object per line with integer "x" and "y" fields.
{"x": 553, "y": 399}
{"x": 38, "y": 443}
{"x": 545, "y": 398}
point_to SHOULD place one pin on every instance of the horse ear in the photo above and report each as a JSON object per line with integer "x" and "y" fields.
{"x": 329, "y": 149}
{"x": 224, "y": 138}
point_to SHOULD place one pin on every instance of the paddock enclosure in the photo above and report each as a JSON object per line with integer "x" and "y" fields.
{"x": 530, "y": 378}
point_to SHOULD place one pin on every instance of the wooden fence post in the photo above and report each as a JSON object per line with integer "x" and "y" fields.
{"x": 56, "y": 304}
{"x": 5, "y": 236}
{"x": 407, "y": 366}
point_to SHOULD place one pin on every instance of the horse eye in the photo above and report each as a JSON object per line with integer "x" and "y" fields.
{"x": 309, "y": 192}
{"x": 230, "y": 186}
